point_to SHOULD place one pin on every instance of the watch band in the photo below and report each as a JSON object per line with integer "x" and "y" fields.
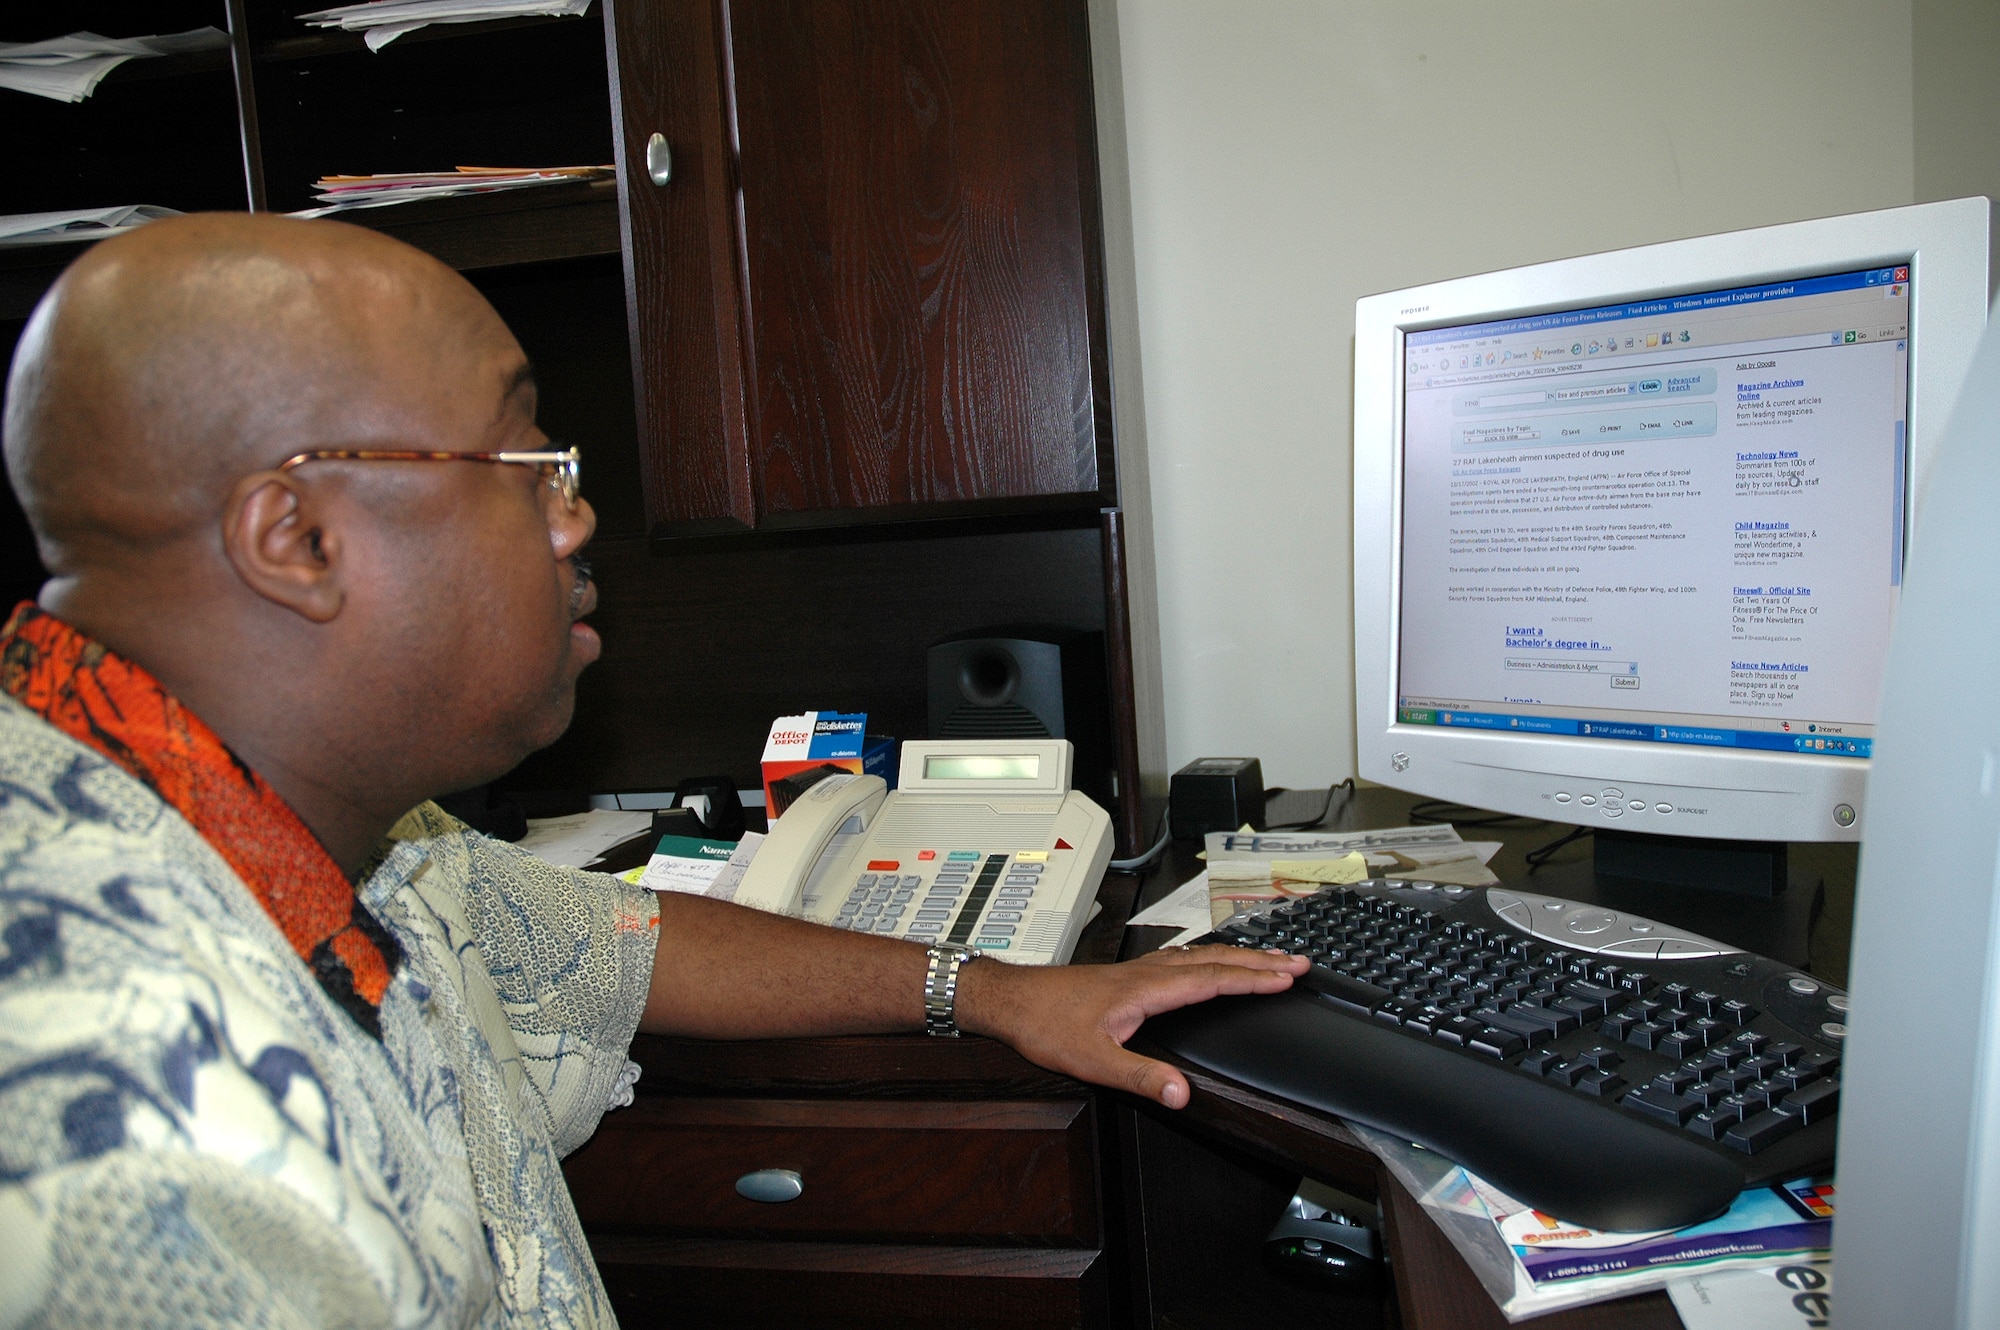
{"x": 941, "y": 989}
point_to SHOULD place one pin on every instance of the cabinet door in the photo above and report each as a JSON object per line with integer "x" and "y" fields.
{"x": 916, "y": 302}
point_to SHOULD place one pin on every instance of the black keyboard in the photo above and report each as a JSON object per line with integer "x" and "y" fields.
{"x": 1606, "y": 1069}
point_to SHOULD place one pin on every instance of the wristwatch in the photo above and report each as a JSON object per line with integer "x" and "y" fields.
{"x": 941, "y": 989}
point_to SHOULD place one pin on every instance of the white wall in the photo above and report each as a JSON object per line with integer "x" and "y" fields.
{"x": 1288, "y": 156}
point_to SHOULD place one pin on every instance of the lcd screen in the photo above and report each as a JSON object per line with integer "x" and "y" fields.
{"x": 983, "y": 766}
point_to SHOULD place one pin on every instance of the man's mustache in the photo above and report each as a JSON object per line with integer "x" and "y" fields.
{"x": 579, "y": 585}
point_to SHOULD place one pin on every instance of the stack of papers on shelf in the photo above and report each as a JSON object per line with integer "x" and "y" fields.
{"x": 341, "y": 193}
{"x": 55, "y": 228}
{"x": 386, "y": 20}
{"x": 1532, "y": 1263}
{"x": 70, "y": 68}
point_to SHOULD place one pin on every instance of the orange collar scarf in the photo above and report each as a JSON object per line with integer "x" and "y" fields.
{"x": 107, "y": 703}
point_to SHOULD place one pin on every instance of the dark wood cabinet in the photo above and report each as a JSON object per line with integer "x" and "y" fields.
{"x": 941, "y": 1184}
{"x": 872, "y": 286}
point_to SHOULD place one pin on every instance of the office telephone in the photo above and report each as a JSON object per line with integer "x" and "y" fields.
{"x": 982, "y": 844}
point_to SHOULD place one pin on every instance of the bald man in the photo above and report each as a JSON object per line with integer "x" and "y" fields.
{"x": 280, "y": 1042}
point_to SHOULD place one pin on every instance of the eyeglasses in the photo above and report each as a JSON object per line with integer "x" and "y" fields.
{"x": 566, "y": 476}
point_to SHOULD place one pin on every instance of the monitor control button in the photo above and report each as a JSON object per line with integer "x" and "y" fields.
{"x": 1588, "y": 801}
{"x": 1843, "y": 815}
{"x": 1663, "y": 808}
{"x": 1562, "y": 796}
{"x": 1637, "y": 805}
{"x": 1612, "y": 807}
{"x": 1612, "y": 793}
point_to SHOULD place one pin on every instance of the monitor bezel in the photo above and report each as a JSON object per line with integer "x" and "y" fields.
{"x": 1713, "y": 792}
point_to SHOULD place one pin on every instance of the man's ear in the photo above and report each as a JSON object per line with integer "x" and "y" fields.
{"x": 281, "y": 546}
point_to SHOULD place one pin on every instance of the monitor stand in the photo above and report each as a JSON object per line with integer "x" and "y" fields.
{"x": 1739, "y": 867}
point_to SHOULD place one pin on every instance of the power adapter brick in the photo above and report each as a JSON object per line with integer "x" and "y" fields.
{"x": 1216, "y": 794}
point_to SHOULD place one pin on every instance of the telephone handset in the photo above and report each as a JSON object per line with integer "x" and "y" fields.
{"x": 983, "y": 843}
{"x": 809, "y": 840}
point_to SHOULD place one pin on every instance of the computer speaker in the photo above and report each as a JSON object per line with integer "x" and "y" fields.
{"x": 1028, "y": 683}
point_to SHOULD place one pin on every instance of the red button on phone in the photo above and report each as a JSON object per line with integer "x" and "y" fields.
{"x": 884, "y": 865}
{"x": 926, "y": 855}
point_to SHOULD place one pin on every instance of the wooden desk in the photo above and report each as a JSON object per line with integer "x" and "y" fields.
{"x": 955, "y": 1184}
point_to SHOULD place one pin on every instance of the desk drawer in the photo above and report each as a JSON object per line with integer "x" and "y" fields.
{"x": 891, "y": 1171}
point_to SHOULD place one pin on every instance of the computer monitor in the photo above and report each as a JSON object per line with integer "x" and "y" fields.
{"x": 1629, "y": 529}
{"x": 1919, "y": 1144}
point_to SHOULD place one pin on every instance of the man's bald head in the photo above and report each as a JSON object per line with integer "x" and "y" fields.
{"x": 364, "y": 633}
{"x": 167, "y": 362}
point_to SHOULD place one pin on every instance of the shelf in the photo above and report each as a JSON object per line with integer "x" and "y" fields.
{"x": 530, "y": 225}
{"x": 332, "y": 41}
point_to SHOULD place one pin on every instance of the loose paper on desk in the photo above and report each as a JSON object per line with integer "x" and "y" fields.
{"x": 579, "y": 838}
{"x": 1433, "y": 854}
{"x": 700, "y": 867}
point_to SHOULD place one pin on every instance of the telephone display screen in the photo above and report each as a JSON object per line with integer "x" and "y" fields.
{"x": 983, "y": 766}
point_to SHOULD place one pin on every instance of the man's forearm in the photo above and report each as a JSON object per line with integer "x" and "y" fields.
{"x": 722, "y": 971}
{"x": 725, "y": 972}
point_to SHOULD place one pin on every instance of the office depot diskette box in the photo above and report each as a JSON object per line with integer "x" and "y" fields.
{"x": 833, "y": 739}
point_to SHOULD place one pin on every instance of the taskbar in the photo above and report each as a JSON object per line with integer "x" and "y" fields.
{"x": 1704, "y": 735}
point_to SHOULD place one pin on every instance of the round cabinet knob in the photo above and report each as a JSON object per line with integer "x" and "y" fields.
{"x": 659, "y": 160}
{"x": 771, "y": 1185}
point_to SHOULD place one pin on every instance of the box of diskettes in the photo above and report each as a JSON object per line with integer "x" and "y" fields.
{"x": 804, "y": 750}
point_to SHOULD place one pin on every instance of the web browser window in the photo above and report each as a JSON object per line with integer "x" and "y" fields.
{"x": 1677, "y": 520}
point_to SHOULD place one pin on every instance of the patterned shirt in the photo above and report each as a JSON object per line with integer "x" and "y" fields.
{"x": 193, "y": 1133}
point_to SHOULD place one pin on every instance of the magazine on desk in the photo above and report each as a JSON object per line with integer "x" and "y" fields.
{"x": 1532, "y": 1264}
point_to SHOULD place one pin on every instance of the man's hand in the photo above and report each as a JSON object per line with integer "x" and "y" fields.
{"x": 1075, "y": 1019}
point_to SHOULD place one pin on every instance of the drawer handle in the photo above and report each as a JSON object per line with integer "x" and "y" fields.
{"x": 771, "y": 1185}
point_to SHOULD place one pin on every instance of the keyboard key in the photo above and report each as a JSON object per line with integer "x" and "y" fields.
{"x": 1786, "y": 1054}
{"x": 1495, "y": 1043}
{"x": 1617, "y": 1027}
{"x": 1602, "y": 1084}
{"x": 1679, "y": 1044}
{"x": 1754, "y": 1133}
{"x": 1396, "y": 1010}
{"x": 1707, "y": 1093}
{"x": 1705, "y": 1002}
{"x": 1601, "y": 1056}
{"x": 1342, "y": 990}
{"x": 1634, "y": 981}
{"x": 865, "y": 880}
{"x": 1648, "y": 1034}
{"x": 1557, "y": 1023}
{"x": 1768, "y": 1092}
{"x": 1676, "y": 995}
{"x": 1661, "y": 1105}
{"x": 1815, "y": 1102}
{"x": 1598, "y": 996}
{"x": 1737, "y": 1013}
{"x": 1674, "y": 1082}
{"x": 1710, "y": 1124}
{"x": 1708, "y": 1030}
{"x": 1541, "y": 1060}
{"x": 1457, "y": 1030}
{"x": 1529, "y": 1031}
